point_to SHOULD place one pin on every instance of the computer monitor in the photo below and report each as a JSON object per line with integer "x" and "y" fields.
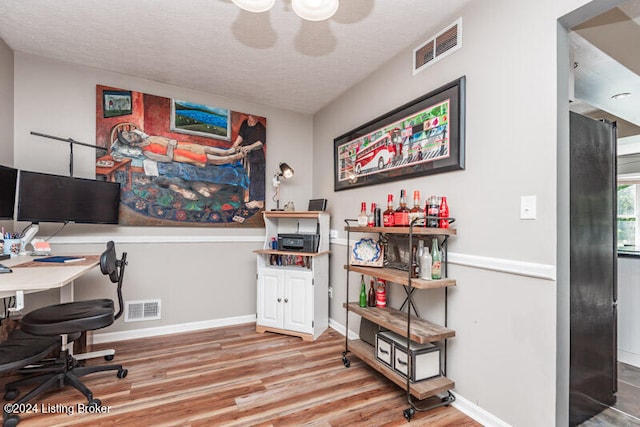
{"x": 53, "y": 198}
{"x": 8, "y": 178}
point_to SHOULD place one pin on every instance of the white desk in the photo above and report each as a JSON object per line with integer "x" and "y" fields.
{"x": 37, "y": 277}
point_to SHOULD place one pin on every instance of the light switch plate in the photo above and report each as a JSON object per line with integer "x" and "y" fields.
{"x": 528, "y": 207}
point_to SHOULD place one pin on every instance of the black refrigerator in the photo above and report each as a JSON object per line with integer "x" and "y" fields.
{"x": 593, "y": 267}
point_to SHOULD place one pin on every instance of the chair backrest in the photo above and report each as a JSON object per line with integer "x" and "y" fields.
{"x": 113, "y": 267}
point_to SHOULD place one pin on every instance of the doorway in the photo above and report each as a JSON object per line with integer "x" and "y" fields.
{"x": 592, "y": 49}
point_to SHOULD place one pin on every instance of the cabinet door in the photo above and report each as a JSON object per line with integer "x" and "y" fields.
{"x": 298, "y": 302}
{"x": 270, "y": 297}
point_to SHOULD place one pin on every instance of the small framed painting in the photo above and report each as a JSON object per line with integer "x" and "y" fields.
{"x": 116, "y": 103}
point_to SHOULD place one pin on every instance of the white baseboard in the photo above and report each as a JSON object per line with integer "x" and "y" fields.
{"x": 629, "y": 358}
{"x": 171, "y": 329}
{"x": 472, "y": 410}
{"x": 340, "y": 328}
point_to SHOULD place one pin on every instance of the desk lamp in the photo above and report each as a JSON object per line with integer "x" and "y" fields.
{"x": 286, "y": 172}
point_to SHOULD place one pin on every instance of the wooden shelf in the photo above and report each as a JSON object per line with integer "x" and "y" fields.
{"x": 422, "y": 331}
{"x": 420, "y": 390}
{"x": 277, "y": 252}
{"x": 422, "y": 231}
{"x": 400, "y": 277}
{"x": 292, "y": 214}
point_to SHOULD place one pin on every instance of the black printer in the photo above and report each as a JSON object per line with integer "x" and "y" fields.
{"x": 302, "y": 242}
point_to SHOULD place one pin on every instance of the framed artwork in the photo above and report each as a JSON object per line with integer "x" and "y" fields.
{"x": 199, "y": 119}
{"x": 423, "y": 137}
{"x": 182, "y": 177}
{"x": 116, "y": 103}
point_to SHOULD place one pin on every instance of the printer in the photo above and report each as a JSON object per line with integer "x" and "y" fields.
{"x": 302, "y": 242}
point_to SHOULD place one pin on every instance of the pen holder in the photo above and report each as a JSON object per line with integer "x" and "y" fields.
{"x": 11, "y": 246}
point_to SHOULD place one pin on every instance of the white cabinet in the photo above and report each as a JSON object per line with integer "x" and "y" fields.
{"x": 285, "y": 300}
{"x": 293, "y": 286}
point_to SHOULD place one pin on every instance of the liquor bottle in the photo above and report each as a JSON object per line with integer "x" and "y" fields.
{"x": 433, "y": 212}
{"x": 416, "y": 211}
{"x": 381, "y": 293}
{"x": 377, "y": 217}
{"x": 371, "y": 299}
{"x": 444, "y": 213}
{"x": 362, "y": 217}
{"x": 371, "y": 221}
{"x": 363, "y": 292}
{"x": 436, "y": 260}
{"x": 425, "y": 265}
{"x": 388, "y": 216}
{"x": 401, "y": 215}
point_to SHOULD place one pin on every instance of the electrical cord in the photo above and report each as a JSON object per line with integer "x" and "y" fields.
{"x": 54, "y": 234}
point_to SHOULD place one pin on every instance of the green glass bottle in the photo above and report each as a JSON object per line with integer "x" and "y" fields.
{"x": 363, "y": 292}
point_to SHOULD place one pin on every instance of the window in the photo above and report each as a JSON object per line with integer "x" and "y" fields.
{"x": 628, "y": 214}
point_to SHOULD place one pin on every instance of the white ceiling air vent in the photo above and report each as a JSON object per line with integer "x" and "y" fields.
{"x": 437, "y": 47}
{"x": 136, "y": 311}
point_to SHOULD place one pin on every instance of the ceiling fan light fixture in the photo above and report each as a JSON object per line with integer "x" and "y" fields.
{"x": 621, "y": 95}
{"x": 315, "y": 10}
{"x": 256, "y": 6}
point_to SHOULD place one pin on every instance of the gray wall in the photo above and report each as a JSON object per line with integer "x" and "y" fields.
{"x": 503, "y": 309}
{"x": 202, "y": 275}
{"x": 6, "y": 104}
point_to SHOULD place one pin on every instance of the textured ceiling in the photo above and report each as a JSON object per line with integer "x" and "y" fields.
{"x": 273, "y": 58}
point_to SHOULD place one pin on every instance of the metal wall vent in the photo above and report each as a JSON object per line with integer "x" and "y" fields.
{"x": 136, "y": 311}
{"x": 437, "y": 47}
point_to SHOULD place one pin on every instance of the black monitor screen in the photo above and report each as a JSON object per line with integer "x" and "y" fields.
{"x": 53, "y": 198}
{"x": 8, "y": 178}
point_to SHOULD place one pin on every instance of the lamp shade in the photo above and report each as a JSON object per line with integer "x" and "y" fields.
{"x": 315, "y": 10}
{"x": 254, "y": 5}
{"x": 286, "y": 171}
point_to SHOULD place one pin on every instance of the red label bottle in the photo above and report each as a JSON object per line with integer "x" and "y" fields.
{"x": 401, "y": 215}
{"x": 444, "y": 213}
{"x": 388, "y": 215}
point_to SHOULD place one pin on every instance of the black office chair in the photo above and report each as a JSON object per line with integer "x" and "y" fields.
{"x": 68, "y": 320}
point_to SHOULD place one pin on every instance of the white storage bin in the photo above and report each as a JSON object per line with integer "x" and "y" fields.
{"x": 425, "y": 362}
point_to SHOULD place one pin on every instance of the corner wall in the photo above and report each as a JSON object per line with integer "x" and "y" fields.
{"x": 504, "y": 305}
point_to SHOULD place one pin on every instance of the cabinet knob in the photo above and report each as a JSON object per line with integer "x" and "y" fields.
{"x": 279, "y": 299}
{"x": 286, "y": 300}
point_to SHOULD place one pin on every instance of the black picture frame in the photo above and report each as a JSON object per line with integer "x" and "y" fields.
{"x": 422, "y": 137}
{"x": 116, "y": 103}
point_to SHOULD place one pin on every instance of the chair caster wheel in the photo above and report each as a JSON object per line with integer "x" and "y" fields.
{"x": 346, "y": 361}
{"x": 11, "y": 421}
{"x": 109, "y": 357}
{"x": 11, "y": 394}
{"x": 94, "y": 403}
{"x": 122, "y": 373}
{"x": 409, "y": 413}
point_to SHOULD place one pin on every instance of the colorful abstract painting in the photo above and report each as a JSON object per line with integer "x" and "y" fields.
{"x": 182, "y": 163}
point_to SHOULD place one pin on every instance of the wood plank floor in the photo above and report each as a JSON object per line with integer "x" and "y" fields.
{"x": 233, "y": 376}
{"x": 626, "y": 411}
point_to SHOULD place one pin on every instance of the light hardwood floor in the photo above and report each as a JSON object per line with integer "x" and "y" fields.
{"x": 233, "y": 376}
